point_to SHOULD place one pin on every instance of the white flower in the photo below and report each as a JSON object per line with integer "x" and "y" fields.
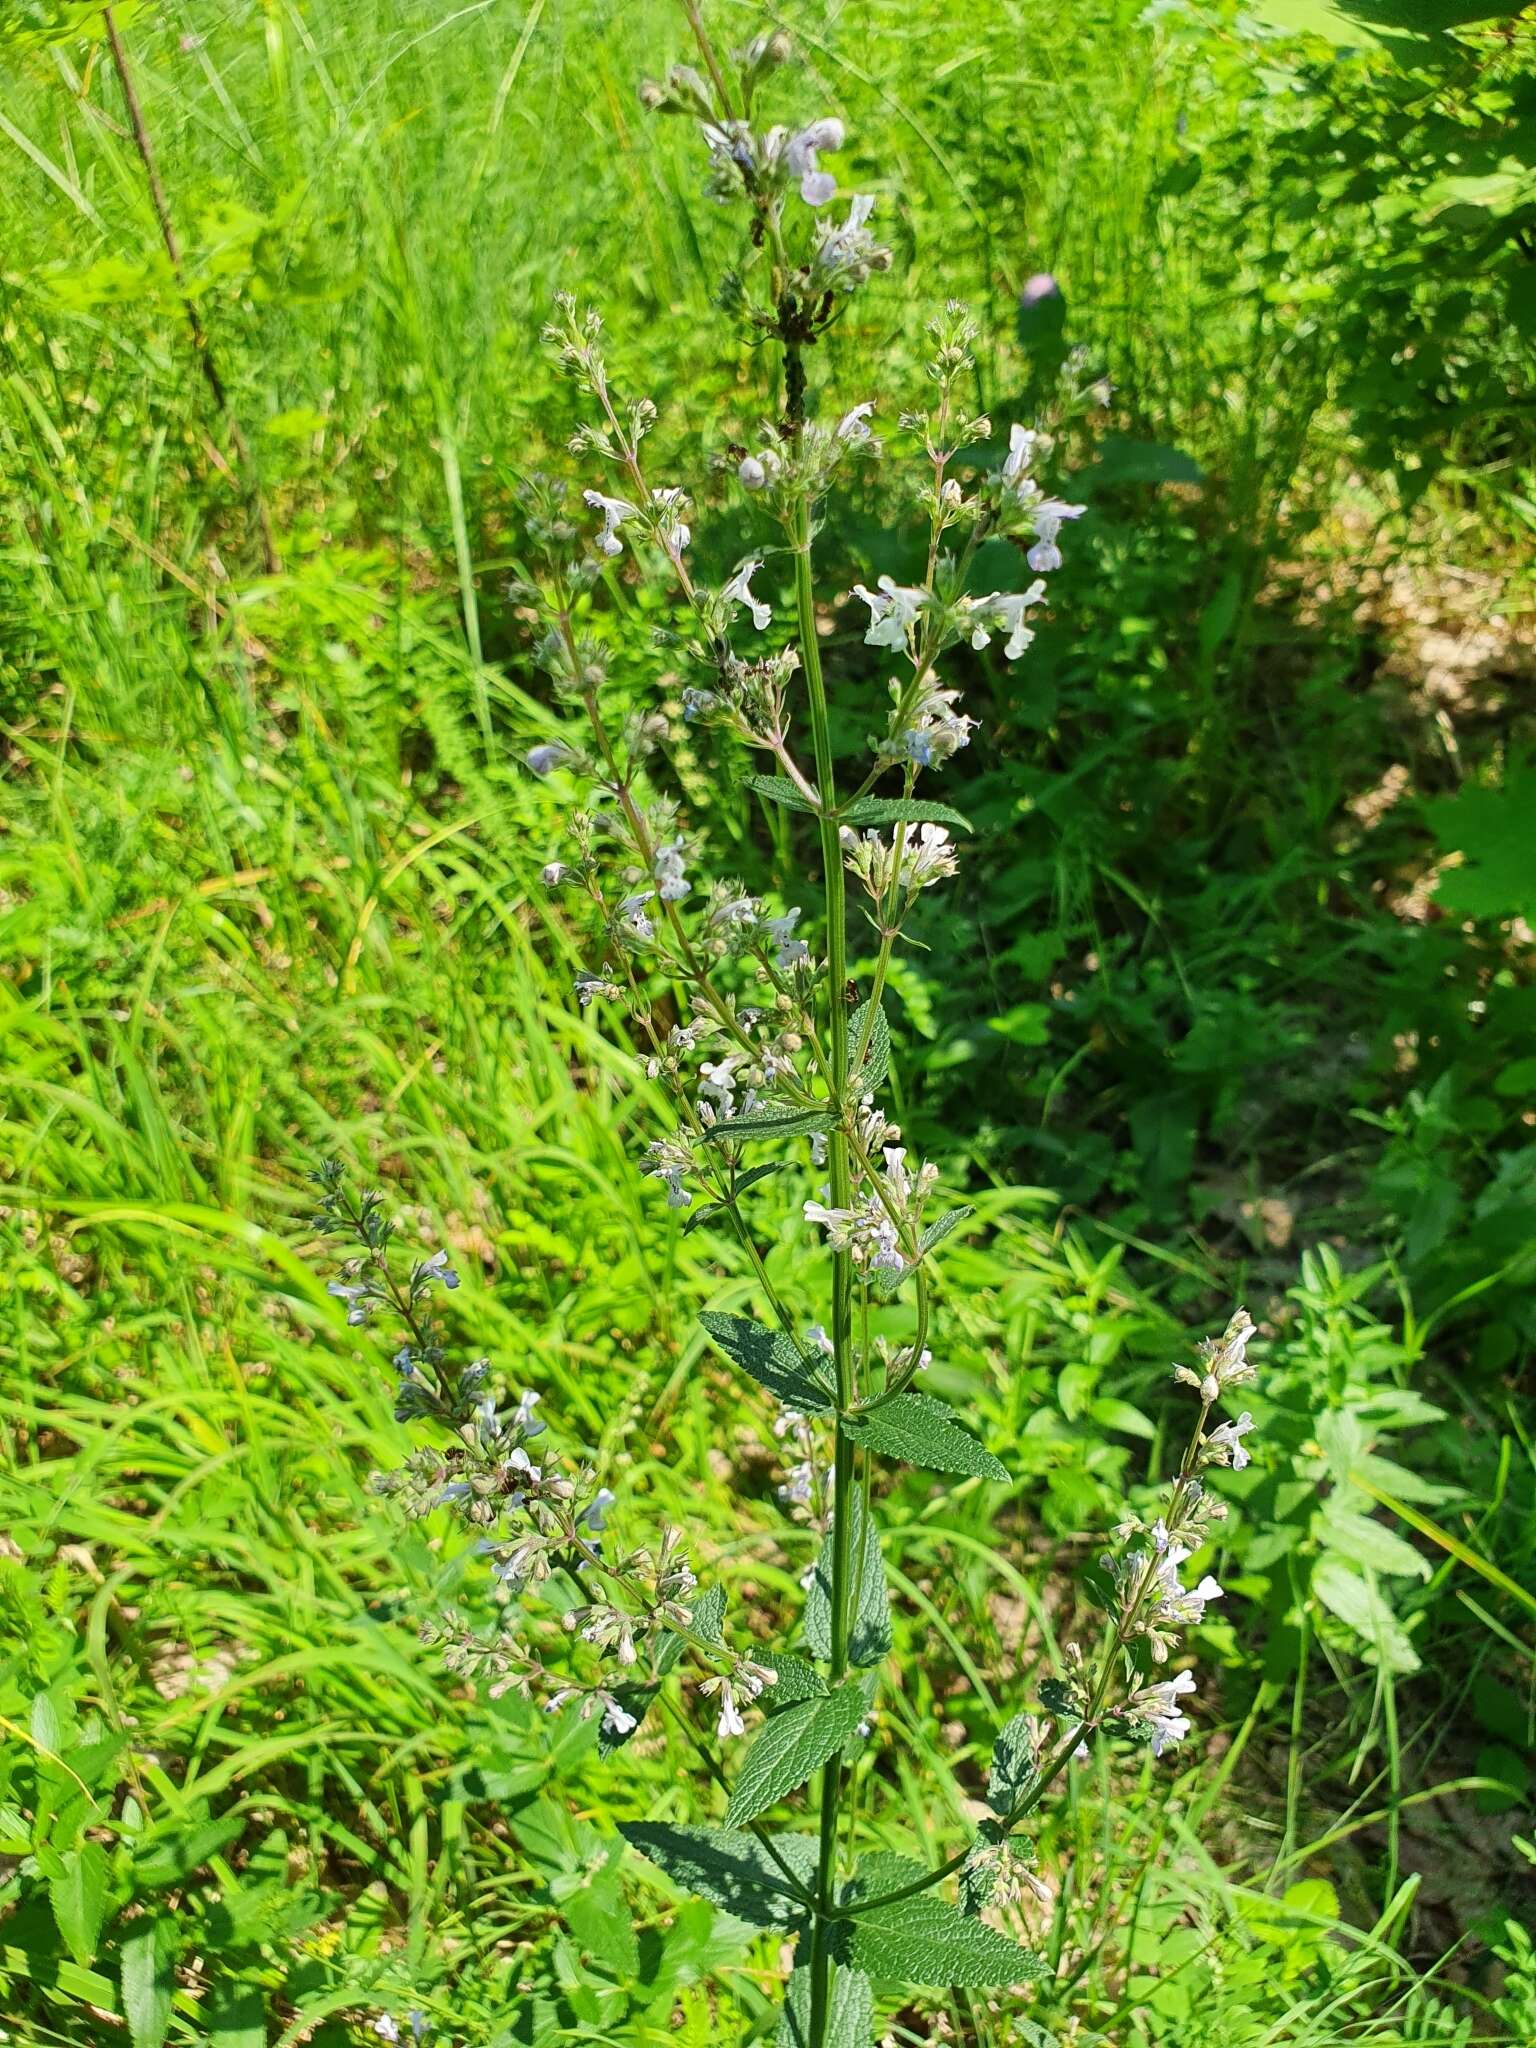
{"x": 1003, "y": 612}
{"x": 1157, "y": 1705}
{"x": 386, "y": 2028}
{"x": 891, "y": 612}
{"x": 817, "y": 1336}
{"x": 617, "y": 1720}
{"x": 552, "y": 874}
{"x": 1049, "y": 514}
{"x": 524, "y": 1417}
{"x": 816, "y": 186}
{"x": 671, "y": 529}
{"x": 615, "y": 511}
{"x": 739, "y": 591}
{"x": 1022, "y": 442}
{"x": 854, "y": 424}
{"x": 1225, "y": 1443}
{"x": 818, "y": 1148}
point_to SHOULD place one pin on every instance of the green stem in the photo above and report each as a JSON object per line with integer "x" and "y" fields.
{"x": 842, "y": 1262}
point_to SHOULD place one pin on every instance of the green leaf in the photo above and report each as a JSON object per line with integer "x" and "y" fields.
{"x": 901, "y": 810}
{"x": 922, "y": 1431}
{"x": 748, "y": 1178}
{"x": 789, "y": 1747}
{"x": 778, "y": 789}
{"x": 925, "y": 1940}
{"x": 877, "y": 1060}
{"x": 1014, "y": 1765}
{"x": 708, "y": 1614}
{"x": 940, "y": 1228}
{"x": 771, "y": 1121}
{"x": 731, "y": 1867}
{"x": 795, "y": 1680}
{"x": 850, "y": 2020}
{"x": 770, "y": 1358}
{"x": 148, "y": 1948}
{"x": 869, "y": 1638}
{"x": 236, "y": 2019}
{"x": 78, "y": 1895}
{"x": 1358, "y": 1604}
{"x": 1364, "y": 1541}
{"x": 599, "y": 1917}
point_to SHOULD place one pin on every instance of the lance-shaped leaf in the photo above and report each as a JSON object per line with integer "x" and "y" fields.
{"x": 901, "y": 810}
{"x": 922, "y": 1431}
{"x": 789, "y": 1747}
{"x": 869, "y": 1637}
{"x": 850, "y": 2021}
{"x": 877, "y": 1060}
{"x": 733, "y": 1868}
{"x": 780, "y": 790}
{"x": 924, "y": 1939}
{"x": 770, "y": 1358}
{"x": 1015, "y": 1764}
{"x": 769, "y": 1120}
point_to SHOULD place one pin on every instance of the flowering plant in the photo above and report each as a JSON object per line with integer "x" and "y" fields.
{"x": 743, "y": 1020}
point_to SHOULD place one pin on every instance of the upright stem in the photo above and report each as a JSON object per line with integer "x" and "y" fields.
{"x": 842, "y": 1261}
{"x": 202, "y": 346}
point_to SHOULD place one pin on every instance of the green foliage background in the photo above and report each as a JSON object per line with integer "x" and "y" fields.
{"x": 1236, "y": 1000}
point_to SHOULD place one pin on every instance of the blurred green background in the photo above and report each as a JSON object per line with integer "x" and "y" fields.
{"x": 1233, "y": 1000}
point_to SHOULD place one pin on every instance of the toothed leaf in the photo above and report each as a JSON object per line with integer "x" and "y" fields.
{"x": 925, "y": 1432}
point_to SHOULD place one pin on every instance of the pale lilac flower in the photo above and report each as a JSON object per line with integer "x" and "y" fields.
{"x": 553, "y": 873}
{"x": 816, "y": 186}
{"x": 551, "y": 754}
{"x": 791, "y": 951}
{"x": 1041, "y": 286}
{"x": 671, "y": 878}
{"x": 523, "y": 1416}
{"x": 595, "y": 1516}
{"x": 1045, "y": 556}
{"x": 437, "y": 1268}
{"x": 854, "y": 424}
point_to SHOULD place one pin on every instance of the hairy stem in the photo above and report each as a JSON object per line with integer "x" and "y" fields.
{"x": 842, "y": 1261}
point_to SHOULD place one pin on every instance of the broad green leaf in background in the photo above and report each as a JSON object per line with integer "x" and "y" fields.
{"x": 869, "y": 1637}
{"x": 922, "y": 1431}
{"x": 1356, "y": 1600}
{"x": 789, "y": 1747}
{"x": 770, "y": 1358}
{"x": 78, "y": 1895}
{"x": 924, "y": 1939}
{"x": 148, "y": 1947}
{"x": 770, "y": 1120}
{"x": 851, "y": 2021}
{"x": 902, "y": 810}
{"x": 1013, "y": 1764}
{"x": 731, "y": 1867}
